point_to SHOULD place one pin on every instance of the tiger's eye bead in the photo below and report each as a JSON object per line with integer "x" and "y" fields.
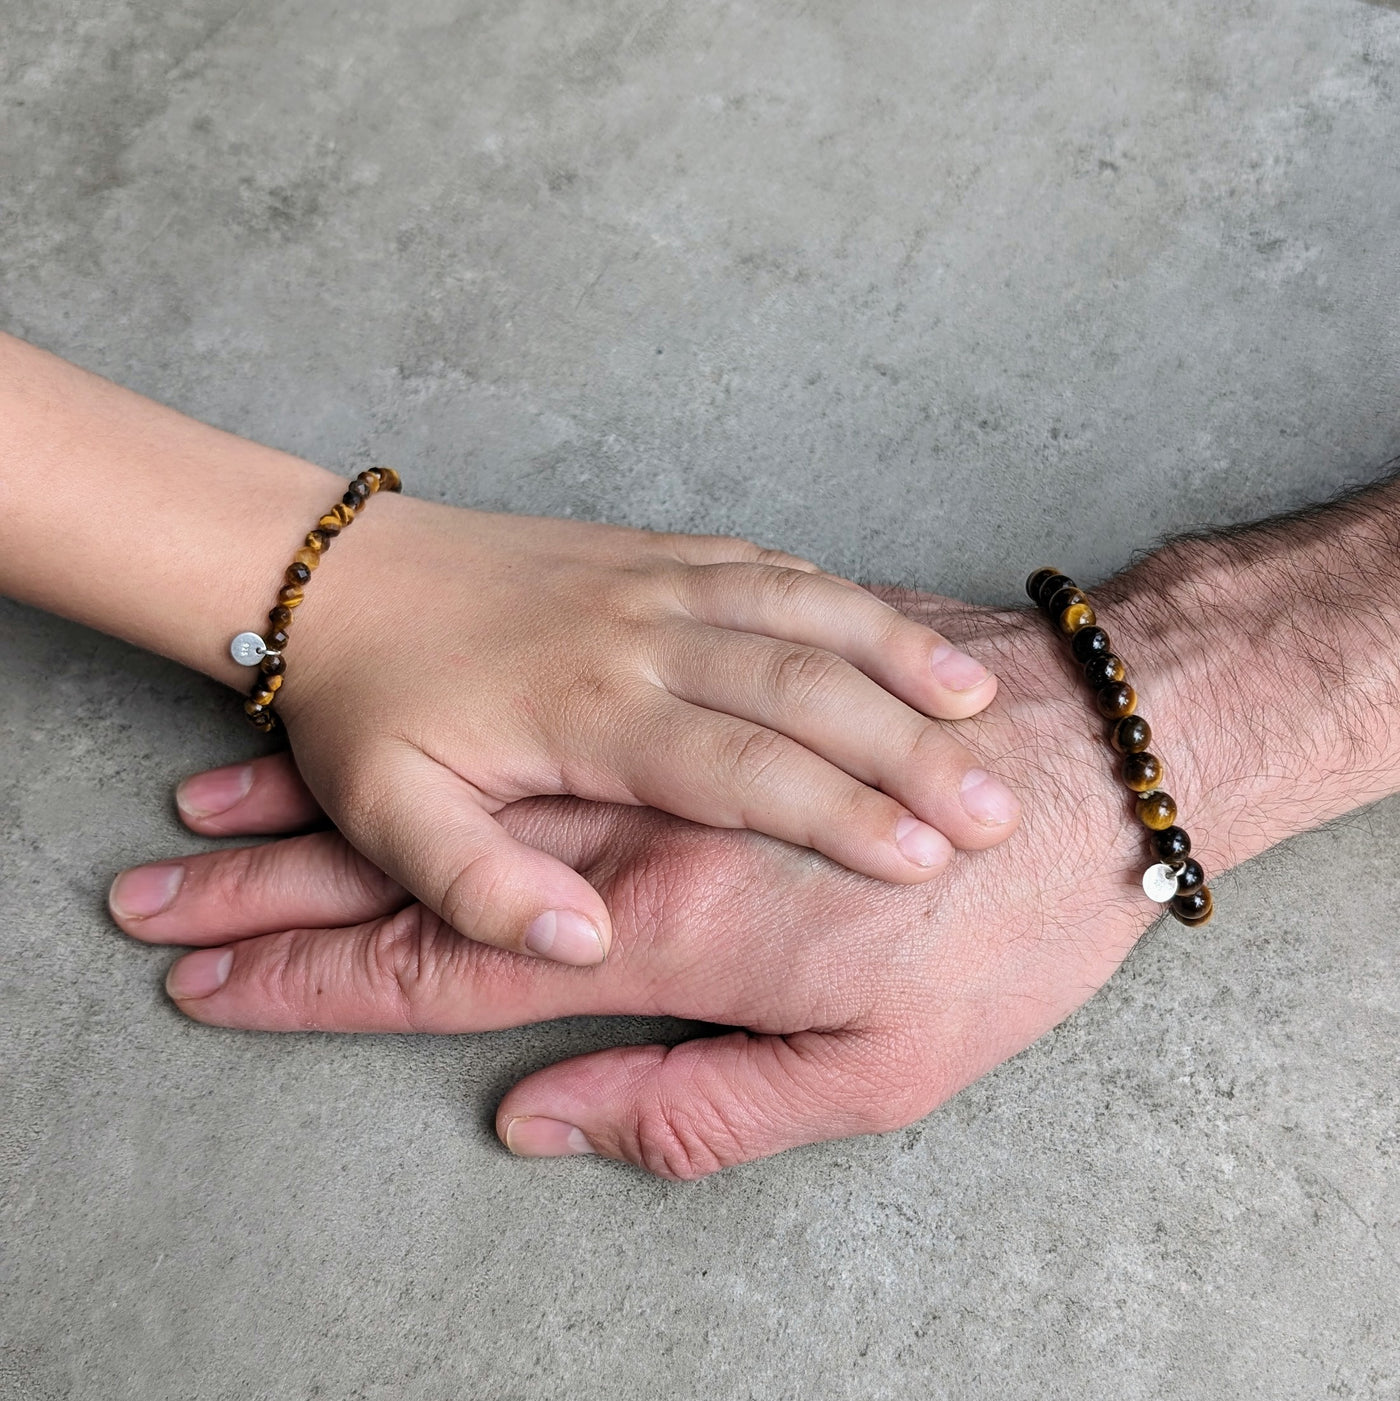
{"x": 1037, "y": 578}
{"x": 329, "y": 525}
{"x": 298, "y": 572}
{"x": 317, "y": 540}
{"x": 1051, "y": 586}
{"x": 280, "y": 616}
{"x": 1190, "y": 878}
{"x": 1156, "y": 810}
{"x": 342, "y": 513}
{"x": 1076, "y": 616}
{"x": 1104, "y": 671}
{"x": 370, "y": 480}
{"x": 309, "y": 558}
{"x": 1063, "y": 598}
{"x": 276, "y": 640}
{"x": 1196, "y": 908}
{"x": 253, "y": 709}
{"x": 290, "y": 595}
{"x": 1172, "y": 844}
{"x": 1131, "y": 735}
{"x": 1089, "y": 643}
{"x": 274, "y": 664}
{"x": 389, "y": 480}
{"x": 261, "y": 695}
{"x": 273, "y": 683}
{"x": 1117, "y": 700}
{"x": 1142, "y": 772}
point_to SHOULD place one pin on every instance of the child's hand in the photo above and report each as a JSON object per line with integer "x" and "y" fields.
{"x": 447, "y": 662}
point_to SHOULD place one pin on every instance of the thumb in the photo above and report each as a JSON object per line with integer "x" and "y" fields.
{"x": 428, "y": 829}
{"x": 689, "y": 1110}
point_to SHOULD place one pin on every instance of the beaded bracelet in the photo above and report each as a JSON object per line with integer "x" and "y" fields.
{"x": 266, "y": 652}
{"x": 1175, "y": 879}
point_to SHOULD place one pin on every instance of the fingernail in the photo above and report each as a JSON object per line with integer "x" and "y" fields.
{"x": 923, "y": 845}
{"x": 566, "y": 937}
{"x": 145, "y": 891}
{"x": 208, "y": 794}
{"x": 534, "y": 1137}
{"x": 987, "y": 799}
{"x": 199, "y": 974}
{"x": 956, "y": 670}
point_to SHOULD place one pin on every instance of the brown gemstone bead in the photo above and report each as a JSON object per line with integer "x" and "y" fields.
{"x": 252, "y": 709}
{"x": 273, "y": 683}
{"x": 370, "y": 479}
{"x": 1089, "y": 643}
{"x": 342, "y": 514}
{"x": 1142, "y": 772}
{"x": 1064, "y": 598}
{"x": 1196, "y": 908}
{"x": 290, "y": 595}
{"x": 1156, "y": 810}
{"x": 261, "y": 695}
{"x": 1051, "y": 586}
{"x": 330, "y": 525}
{"x": 1104, "y": 671}
{"x": 1076, "y": 616}
{"x": 1131, "y": 735}
{"x": 1037, "y": 578}
{"x": 298, "y": 571}
{"x": 1117, "y": 700}
{"x": 317, "y": 540}
{"x": 352, "y": 501}
{"x": 1191, "y": 878}
{"x": 1172, "y": 844}
{"x": 309, "y": 557}
{"x": 280, "y": 616}
{"x": 277, "y": 639}
{"x": 274, "y": 664}
{"x": 389, "y": 480}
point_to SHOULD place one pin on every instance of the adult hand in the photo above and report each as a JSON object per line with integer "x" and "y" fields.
{"x": 863, "y": 1005}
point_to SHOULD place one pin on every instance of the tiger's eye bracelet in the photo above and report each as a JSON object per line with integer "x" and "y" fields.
{"x": 266, "y": 651}
{"x": 1176, "y": 879}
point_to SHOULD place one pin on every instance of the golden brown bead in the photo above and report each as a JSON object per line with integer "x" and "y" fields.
{"x": 370, "y": 479}
{"x": 330, "y": 525}
{"x": 1156, "y": 810}
{"x": 252, "y": 709}
{"x": 317, "y": 540}
{"x": 261, "y": 695}
{"x": 1075, "y": 617}
{"x": 1142, "y": 772}
{"x": 290, "y": 595}
{"x": 1131, "y": 735}
{"x": 1117, "y": 700}
{"x": 308, "y": 558}
{"x": 1194, "y": 909}
{"x": 389, "y": 479}
{"x": 342, "y": 514}
{"x": 273, "y": 683}
{"x": 280, "y": 616}
{"x": 1104, "y": 671}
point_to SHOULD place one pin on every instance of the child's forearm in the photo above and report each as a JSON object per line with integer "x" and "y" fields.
{"x": 129, "y": 517}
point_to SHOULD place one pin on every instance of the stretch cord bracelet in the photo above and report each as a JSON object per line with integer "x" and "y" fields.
{"x": 267, "y": 652}
{"x": 1175, "y": 879}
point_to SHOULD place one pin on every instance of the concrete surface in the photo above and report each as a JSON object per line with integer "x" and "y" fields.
{"x": 927, "y": 291}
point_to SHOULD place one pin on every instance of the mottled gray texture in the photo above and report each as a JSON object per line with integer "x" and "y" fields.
{"x": 926, "y": 291}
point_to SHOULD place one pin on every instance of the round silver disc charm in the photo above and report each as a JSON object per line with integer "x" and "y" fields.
{"x": 248, "y": 649}
{"x": 1160, "y": 883}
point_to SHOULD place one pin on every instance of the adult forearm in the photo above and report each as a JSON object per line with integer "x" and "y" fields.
{"x": 129, "y": 517}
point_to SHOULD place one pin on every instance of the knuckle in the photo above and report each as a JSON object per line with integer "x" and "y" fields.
{"x": 750, "y": 753}
{"x": 780, "y": 559}
{"x": 479, "y": 886}
{"x": 804, "y": 674}
{"x": 790, "y": 588}
{"x": 399, "y": 957}
{"x": 685, "y": 1143}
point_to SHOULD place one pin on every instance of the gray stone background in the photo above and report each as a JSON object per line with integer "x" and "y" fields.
{"x": 927, "y": 291}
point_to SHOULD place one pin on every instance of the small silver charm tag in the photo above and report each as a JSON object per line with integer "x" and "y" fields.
{"x": 248, "y": 649}
{"x": 1160, "y": 883}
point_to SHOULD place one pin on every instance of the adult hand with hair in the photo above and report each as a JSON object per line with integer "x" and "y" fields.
{"x": 1266, "y": 661}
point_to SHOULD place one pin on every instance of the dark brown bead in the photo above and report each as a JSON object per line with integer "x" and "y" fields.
{"x": 1196, "y": 908}
{"x": 1090, "y": 643}
{"x": 1117, "y": 700}
{"x": 277, "y": 639}
{"x": 1062, "y": 598}
{"x": 356, "y": 494}
{"x": 1172, "y": 844}
{"x": 1039, "y": 577}
{"x": 1142, "y": 772}
{"x": 317, "y": 540}
{"x": 389, "y": 480}
{"x": 297, "y": 573}
{"x": 1052, "y": 586}
{"x": 1191, "y": 878}
{"x": 1104, "y": 671}
{"x": 280, "y": 616}
{"x": 1131, "y": 735}
{"x": 1156, "y": 810}
{"x": 274, "y": 664}
{"x": 352, "y": 501}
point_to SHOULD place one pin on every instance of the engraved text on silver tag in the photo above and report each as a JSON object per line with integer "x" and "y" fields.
{"x": 248, "y": 649}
